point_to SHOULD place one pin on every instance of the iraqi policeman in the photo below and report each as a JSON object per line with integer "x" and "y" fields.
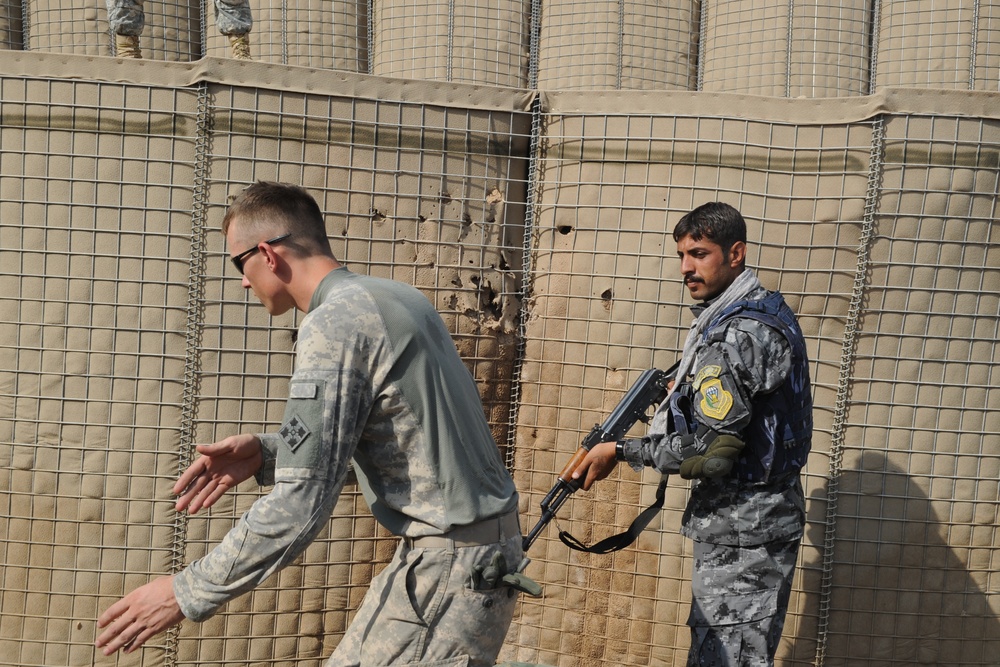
{"x": 738, "y": 420}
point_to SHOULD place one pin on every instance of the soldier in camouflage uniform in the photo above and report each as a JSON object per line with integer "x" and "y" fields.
{"x": 127, "y": 19}
{"x": 739, "y": 421}
{"x": 378, "y": 381}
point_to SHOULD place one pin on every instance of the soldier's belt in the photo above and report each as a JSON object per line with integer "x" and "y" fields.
{"x": 488, "y": 531}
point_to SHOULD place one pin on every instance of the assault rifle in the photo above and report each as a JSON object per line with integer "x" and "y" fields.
{"x": 649, "y": 390}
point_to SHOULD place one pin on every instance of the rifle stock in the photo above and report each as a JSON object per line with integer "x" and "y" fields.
{"x": 648, "y": 390}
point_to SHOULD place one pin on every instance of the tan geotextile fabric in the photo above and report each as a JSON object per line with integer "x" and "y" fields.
{"x": 802, "y": 48}
{"x": 608, "y": 301}
{"x": 876, "y": 218}
{"x": 11, "y": 35}
{"x": 919, "y": 505}
{"x": 125, "y": 337}
{"x": 644, "y": 45}
{"x": 775, "y": 47}
{"x": 309, "y": 33}
{"x": 929, "y": 43}
{"x": 438, "y": 40}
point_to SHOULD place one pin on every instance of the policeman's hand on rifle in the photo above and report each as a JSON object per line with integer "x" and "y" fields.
{"x": 597, "y": 465}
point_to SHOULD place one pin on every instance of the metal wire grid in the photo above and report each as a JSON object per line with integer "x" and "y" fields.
{"x": 172, "y": 28}
{"x": 617, "y": 45}
{"x": 94, "y": 284}
{"x": 11, "y": 25}
{"x": 410, "y": 192}
{"x": 607, "y": 303}
{"x": 917, "y": 531}
{"x": 829, "y": 46}
{"x": 468, "y": 42}
{"x": 745, "y": 46}
{"x": 786, "y": 48}
{"x": 311, "y": 33}
{"x": 752, "y": 139}
{"x": 986, "y": 47}
{"x": 944, "y": 32}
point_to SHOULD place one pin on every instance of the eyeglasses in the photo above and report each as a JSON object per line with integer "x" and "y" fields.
{"x": 240, "y": 258}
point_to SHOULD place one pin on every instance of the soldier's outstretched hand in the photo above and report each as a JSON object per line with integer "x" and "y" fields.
{"x": 221, "y": 466}
{"x": 146, "y": 611}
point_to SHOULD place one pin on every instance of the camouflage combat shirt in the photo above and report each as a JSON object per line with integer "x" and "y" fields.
{"x": 377, "y": 379}
{"x": 751, "y": 358}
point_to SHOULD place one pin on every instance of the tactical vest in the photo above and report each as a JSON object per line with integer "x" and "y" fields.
{"x": 779, "y": 435}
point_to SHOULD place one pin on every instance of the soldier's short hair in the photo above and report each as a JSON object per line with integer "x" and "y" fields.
{"x": 716, "y": 221}
{"x": 269, "y": 209}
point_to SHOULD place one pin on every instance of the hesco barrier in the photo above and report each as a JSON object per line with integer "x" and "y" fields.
{"x": 538, "y": 223}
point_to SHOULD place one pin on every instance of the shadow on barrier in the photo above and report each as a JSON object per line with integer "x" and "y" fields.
{"x": 910, "y": 573}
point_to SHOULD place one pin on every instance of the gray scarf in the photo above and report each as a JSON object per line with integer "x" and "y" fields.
{"x": 745, "y": 284}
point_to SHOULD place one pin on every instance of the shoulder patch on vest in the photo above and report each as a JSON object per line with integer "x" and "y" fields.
{"x": 715, "y": 401}
{"x": 293, "y": 432}
{"x": 706, "y": 373}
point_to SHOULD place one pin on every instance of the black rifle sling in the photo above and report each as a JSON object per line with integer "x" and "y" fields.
{"x": 621, "y": 540}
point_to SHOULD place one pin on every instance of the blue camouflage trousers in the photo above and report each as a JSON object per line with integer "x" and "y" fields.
{"x": 739, "y": 600}
{"x": 232, "y": 17}
{"x": 421, "y": 610}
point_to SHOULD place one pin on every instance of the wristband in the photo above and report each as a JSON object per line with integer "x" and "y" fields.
{"x": 620, "y": 450}
{"x": 620, "y": 455}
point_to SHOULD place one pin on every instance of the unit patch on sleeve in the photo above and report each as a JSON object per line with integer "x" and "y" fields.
{"x": 302, "y": 390}
{"x": 705, "y": 373}
{"x": 715, "y": 401}
{"x": 293, "y": 432}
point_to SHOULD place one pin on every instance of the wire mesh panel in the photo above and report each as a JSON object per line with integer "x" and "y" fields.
{"x": 125, "y": 337}
{"x": 67, "y": 27}
{"x": 745, "y": 47}
{"x": 94, "y": 240}
{"x": 781, "y": 48}
{"x": 484, "y": 43}
{"x": 619, "y": 45}
{"x": 413, "y": 192}
{"x": 328, "y": 34}
{"x": 926, "y": 43}
{"x": 915, "y": 572}
{"x": 608, "y": 303}
{"x": 986, "y": 75}
{"x": 11, "y": 25}
{"x": 830, "y": 50}
{"x": 122, "y": 322}
{"x": 172, "y": 28}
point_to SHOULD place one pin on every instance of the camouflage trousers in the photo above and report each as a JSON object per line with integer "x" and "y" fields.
{"x": 421, "y": 610}
{"x": 232, "y": 17}
{"x": 739, "y": 599}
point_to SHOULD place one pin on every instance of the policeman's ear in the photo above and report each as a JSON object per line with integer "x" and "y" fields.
{"x": 737, "y": 254}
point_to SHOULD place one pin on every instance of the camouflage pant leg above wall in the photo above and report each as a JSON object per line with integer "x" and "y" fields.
{"x": 126, "y": 17}
{"x": 233, "y": 17}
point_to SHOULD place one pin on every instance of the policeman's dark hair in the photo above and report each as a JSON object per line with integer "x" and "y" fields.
{"x": 267, "y": 209}
{"x": 716, "y": 221}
